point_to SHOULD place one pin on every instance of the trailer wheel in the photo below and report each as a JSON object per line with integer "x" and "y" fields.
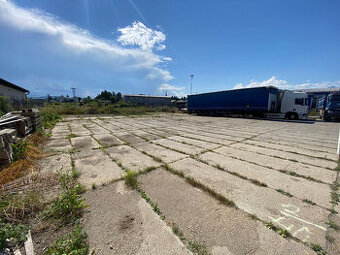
{"x": 325, "y": 116}
{"x": 292, "y": 116}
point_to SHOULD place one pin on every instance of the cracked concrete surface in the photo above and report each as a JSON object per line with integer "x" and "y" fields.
{"x": 250, "y": 151}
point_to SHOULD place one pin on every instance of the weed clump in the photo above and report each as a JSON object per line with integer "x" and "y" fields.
{"x": 69, "y": 206}
{"x": 131, "y": 179}
{"x": 74, "y": 243}
{"x": 16, "y": 233}
{"x": 197, "y": 248}
{"x": 317, "y": 248}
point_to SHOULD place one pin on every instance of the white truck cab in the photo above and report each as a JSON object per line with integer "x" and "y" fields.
{"x": 294, "y": 105}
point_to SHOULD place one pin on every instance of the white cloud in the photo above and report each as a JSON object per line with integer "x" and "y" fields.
{"x": 283, "y": 84}
{"x": 78, "y": 43}
{"x": 140, "y": 35}
{"x": 169, "y": 87}
{"x": 172, "y": 90}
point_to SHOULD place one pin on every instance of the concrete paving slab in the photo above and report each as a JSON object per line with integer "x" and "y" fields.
{"x": 108, "y": 140}
{"x": 81, "y": 143}
{"x": 304, "y": 221}
{"x": 121, "y": 222}
{"x": 298, "y": 187}
{"x": 301, "y": 143}
{"x": 195, "y": 142}
{"x": 200, "y": 217}
{"x": 185, "y": 148}
{"x": 293, "y": 148}
{"x": 55, "y": 163}
{"x": 97, "y": 169}
{"x": 207, "y": 139}
{"x": 58, "y": 145}
{"x": 166, "y": 155}
{"x": 129, "y": 138}
{"x": 278, "y": 164}
{"x": 287, "y": 155}
{"x": 131, "y": 158}
{"x": 146, "y": 135}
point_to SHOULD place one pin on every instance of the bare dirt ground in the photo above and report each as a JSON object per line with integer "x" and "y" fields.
{"x": 274, "y": 171}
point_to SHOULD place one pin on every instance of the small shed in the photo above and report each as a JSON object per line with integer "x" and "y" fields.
{"x": 148, "y": 100}
{"x": 15, "y": 94}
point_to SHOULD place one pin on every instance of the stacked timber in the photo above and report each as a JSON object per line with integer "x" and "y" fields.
{"x": 15, "y": 121}
{"x": 7, "y": 137}
{"x": 34, "y": 115}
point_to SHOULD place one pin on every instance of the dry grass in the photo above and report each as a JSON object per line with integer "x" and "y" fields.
{"x": 23, "y": 198}
{"x": 23, "y": 166}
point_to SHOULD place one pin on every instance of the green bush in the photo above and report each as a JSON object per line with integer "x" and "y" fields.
{"x": 8, "y": 231}
{"x": 49, "y": 119}
{"x": 74, "y": 243}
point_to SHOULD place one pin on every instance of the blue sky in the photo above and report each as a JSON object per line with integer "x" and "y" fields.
{"x": 152, "y": 46}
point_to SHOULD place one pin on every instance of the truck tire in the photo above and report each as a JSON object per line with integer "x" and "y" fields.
{"x": 325, "y": 116}
{"x": 292, "y": 116}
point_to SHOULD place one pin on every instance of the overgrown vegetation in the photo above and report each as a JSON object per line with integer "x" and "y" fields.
{"x": 69, "y": 206}
{"x": 74, "y": 243}
{"x": 15, "y": 233}
{"x": 95, "y": 107}
{"x": 49, "y": 119}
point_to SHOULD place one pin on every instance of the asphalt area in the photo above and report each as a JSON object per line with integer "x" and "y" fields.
{"x": 216, "y": 182}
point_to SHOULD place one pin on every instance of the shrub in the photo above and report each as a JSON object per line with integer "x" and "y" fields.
{"x": 8, "y": 231}
{"x": 74, "y": 243}
{"x": 69, "y": 207}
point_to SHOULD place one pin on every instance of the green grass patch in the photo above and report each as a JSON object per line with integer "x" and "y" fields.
{"x": 197, "y": 248}
{"x": 284, "y": 192}
{"x": 308, "y": 201}
{"x": 282, "y": 232}
{"x": 131, "y": 179}
{"x": 74, "y": 243}
{"x": 317, "y": 248}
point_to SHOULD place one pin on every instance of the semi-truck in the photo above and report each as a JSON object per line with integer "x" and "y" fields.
{"x": 329, "y": 107}
{"x": 266, "y": 101}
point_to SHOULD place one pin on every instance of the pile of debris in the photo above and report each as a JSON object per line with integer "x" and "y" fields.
{"x": 13, "y": 125}
{"x": 7, "y": 137}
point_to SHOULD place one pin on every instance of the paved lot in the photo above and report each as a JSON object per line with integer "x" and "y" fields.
{"x": 274, "y": 171}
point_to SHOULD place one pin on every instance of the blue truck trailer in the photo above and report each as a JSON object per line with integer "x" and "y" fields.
{"x": 329, "y": 107}
{"x": 260, "y": 101}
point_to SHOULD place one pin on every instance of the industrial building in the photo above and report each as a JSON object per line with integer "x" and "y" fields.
{"x": 148, "y": 100}
{"x": 15, "y": 94}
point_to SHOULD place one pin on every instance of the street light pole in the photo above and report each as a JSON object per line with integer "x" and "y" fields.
{"x": 191, "y": 77}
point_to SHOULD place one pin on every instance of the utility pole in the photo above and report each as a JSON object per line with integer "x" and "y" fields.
{"x": 74, "y": 96}
{"x": 191, "y": 77}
